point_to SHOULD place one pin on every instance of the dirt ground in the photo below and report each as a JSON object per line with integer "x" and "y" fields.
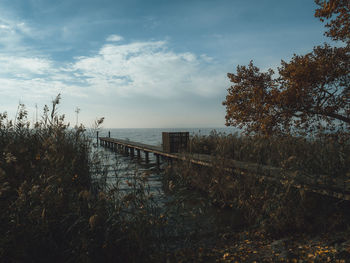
{"x": 253, "y": 246}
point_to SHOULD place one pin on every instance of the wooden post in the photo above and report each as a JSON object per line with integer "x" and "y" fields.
{"x": 97, "y": 138}
{"x": 132, "y": 152}
{"x": 109, "y": 134}
{"x": 138, "y": 153}
{"x": 158, "y": 161}
{"x": 146, "y": 157}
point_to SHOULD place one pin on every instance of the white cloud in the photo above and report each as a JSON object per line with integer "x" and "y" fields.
{"x": 23, "y": 28}
{"x": 34, "y": 77}
{"x": 118, "y": 70}
{"x": 5, "y": 27}
{"x": 114, "y": 38}
{"x": 17, "y": 65}
{"x": 13, "y": 33}
{"x": 29, "y": 89}
{"x": 148, "y": 68}
{"x": 138, "y": 68}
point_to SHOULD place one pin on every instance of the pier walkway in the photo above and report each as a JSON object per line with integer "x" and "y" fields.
{"x": 312, "y": 183}
{"x": 131, "y": 147}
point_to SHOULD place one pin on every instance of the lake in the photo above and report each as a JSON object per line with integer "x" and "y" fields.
{"x": 123, "y": 169}
{"x": 153, "y": 136}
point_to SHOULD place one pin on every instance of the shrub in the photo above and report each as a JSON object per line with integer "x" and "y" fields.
{"x": 273, "y": 204}
{"x": 52, "y": 209}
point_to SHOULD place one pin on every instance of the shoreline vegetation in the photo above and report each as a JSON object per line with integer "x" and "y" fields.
{"x": 57, "y": 205}
{"x": 54, "y": 208}
{"x": 278, "y": 222}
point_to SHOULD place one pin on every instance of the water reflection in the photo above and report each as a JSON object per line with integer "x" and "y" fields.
{"x": 189, "y": 213}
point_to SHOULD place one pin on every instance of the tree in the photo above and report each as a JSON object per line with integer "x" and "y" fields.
{"x": 311, "y": 92}
{"x": 339, "y": 27}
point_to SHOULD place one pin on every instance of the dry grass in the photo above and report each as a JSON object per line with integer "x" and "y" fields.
{"x": 275, "y": 206}
{"x": 52, "y": 207}
{"x": 325, "y": 154}
{"x": 56, "y": 205}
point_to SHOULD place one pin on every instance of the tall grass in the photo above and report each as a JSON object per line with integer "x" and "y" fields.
{"x": 53, "y": 208}
{"x": 276, "y": 206}
{"x": 57, "y": 204}
{"x": 327, "y": 154}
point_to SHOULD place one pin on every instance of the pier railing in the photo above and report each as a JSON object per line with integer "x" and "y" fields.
{"x": 313, "y": 183}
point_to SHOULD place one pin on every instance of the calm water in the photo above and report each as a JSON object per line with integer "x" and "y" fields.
{"x": 153, "y": 136}
{"x": 127, "y": 166}
{"x": 122, "y": 168}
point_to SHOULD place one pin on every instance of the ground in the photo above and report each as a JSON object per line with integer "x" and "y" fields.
{"x": 254, "y": 246}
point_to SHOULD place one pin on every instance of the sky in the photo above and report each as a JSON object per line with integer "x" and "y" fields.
{"x": 143, "y": 64}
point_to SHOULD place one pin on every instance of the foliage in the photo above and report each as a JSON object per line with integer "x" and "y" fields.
{"x": 273, "y": 204}
{"x": 310, "y": 94}
{"x": 51, "y": 208}
{"x": 326, "y": 154}
{"x": 56, "y": 206}
{"x": 339, "y": 28}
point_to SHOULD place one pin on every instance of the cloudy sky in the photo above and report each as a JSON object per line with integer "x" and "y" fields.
{"x": 155, "y": 63}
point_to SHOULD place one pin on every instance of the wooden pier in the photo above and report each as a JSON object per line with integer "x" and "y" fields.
{"x": 130, "y": 147}
{"x": 309, "y": 183}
